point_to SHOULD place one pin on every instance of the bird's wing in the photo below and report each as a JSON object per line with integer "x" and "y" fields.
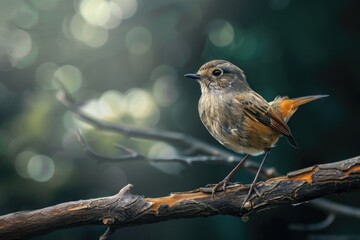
{"x": 258, "y": 109}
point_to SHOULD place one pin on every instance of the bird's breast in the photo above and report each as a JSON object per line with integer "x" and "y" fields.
{"x": 232, "y": 128}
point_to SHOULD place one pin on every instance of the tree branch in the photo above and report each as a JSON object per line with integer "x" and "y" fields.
{"x": 209, "y": 153}
{"x": 172, "y": 137}
{"x": 126, "y": 209}
{"x": 132, "y": 155}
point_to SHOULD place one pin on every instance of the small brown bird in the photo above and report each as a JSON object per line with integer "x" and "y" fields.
{"x": 239, "y": 118}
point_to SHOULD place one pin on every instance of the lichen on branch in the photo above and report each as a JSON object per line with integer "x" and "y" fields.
{"x": 127, "y": 209}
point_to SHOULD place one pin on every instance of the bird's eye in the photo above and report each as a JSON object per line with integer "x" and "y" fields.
{"x": 217, "y": 72}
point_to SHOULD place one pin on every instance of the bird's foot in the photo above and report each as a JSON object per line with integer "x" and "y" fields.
{"x": 252, "y": 187}
{"x": 221, "y": 186}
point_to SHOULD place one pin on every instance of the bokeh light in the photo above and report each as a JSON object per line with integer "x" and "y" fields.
{"x": 138, "y": 40}
{"x": 140, "y": 104}
{"x": 136, "y": 103}
{"x": 22, "y": 161}
{"x": 95, "y": 12}
{"x": 221, "y": 33}
{"x": 45, "y": 75}
{"x": 165, "y": 92}
{"x": 101, "y": 13}
{"x": 92, "y": 107}
{"x": 163, "y": 70}
{"x": 70, "y": 76}
{"x": 104, "y": 14}
{"x": 107, "y": 14}
{"x": 69, "y": 122}
{"x": 93, "y": 36}
{"x": 29, "y": 59}
{"x": 41, "y": 168}
{"x": 72, "y": 123}
{"x": 21, "y": 42}
{"x": 112, "y": 104}
{"x": 164, "y": 150}
{"x": 128, "y": 7}
{"x": 27, "y": 16}
{"x": 15, "y": 45}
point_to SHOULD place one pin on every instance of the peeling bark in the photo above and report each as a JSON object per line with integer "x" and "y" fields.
{"x": 127, "y": 209}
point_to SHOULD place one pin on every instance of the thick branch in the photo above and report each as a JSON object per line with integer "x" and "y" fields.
{"x": 127, "y": 209}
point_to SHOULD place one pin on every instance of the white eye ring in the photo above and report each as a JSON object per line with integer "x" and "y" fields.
{"x": 217, "y": 72}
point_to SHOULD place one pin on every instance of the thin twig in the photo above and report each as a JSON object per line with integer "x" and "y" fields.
{"x": 161, "y": 135}
{"x": 314, "y": 226}
{"x": 175, "y": 138}
{"x": 333, "y": 207}
{"x": 132, "y": 155}
{"x": 107, "y": 233}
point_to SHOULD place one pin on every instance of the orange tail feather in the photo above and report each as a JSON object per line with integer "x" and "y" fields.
{"x": 288, "y": 107}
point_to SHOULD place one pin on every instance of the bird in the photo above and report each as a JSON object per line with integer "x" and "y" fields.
{"x": 241, "y": 119}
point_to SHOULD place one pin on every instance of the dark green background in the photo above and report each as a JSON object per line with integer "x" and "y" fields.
{"x": 285, "y": 47}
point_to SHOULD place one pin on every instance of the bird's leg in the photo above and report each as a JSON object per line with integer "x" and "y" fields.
{"x": 225, "y": 181}
{"x": 252, "y": 186}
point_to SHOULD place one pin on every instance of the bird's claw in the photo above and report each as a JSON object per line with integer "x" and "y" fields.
{"x": 222, "y": 184}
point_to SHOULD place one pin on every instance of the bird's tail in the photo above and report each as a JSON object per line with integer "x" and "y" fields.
{"x": 287, "y": 107}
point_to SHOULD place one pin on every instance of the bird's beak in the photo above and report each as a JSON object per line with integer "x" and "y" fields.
{"x": 192, "y": 75}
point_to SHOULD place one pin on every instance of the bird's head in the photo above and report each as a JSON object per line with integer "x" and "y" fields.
{"x": 220, "y": 75}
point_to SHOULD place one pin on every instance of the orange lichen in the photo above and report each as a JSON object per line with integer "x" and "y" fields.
{"x": 352, "y": 169}
{"x": 305, "y": 176}
{"x": 178, "y": 197}
{"x": 173, "y": 199}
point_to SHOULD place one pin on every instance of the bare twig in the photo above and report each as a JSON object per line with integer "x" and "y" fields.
{"x": 336, "y": 208}
{"x": 208, "y": 152}
{"x": 126, "y": 209}
{"x": 107, "y": 233}
{"x": 161, "y": 135}
{"x": 132, "y": 155}
{"x": 314, "y": 226}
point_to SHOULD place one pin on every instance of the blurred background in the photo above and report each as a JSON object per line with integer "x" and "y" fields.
{"x": 125, "y": 60}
